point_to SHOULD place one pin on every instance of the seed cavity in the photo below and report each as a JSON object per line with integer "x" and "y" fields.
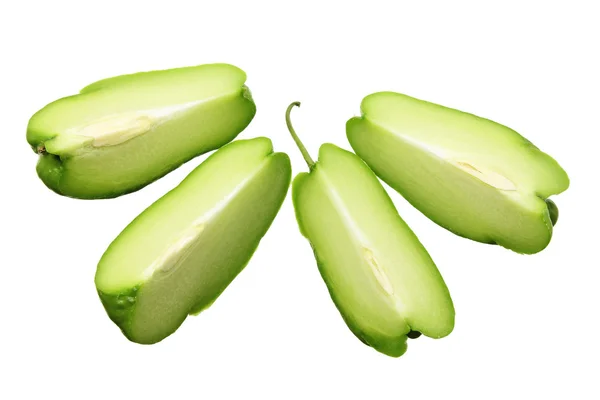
{"x": 466, "y": 166}
{"x": 378, "y": 271}
{"x": 118, "y": 128}
{"x": 487, "y": 176}
{"x": 177, "y": 251}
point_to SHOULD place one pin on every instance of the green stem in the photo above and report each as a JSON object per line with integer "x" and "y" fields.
{"x": 303, "y": 150}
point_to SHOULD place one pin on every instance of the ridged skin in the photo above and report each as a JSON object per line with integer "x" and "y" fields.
{"x": 73, "y": 166}
{"x": 181, "y": 253}
{"x": 428, "y": 153}
{"x": 351, "y": 225}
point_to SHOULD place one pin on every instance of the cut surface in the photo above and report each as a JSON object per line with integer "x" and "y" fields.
{"x": 473, "y": 176}
{"x": 121, "y": 133}
{"x": 379, "y": 275}
{"x": 184, "y": 250}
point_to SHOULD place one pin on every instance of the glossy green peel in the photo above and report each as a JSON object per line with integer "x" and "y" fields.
{"x": 120, "y": 134}
{"x": 379, "y": 275}
{"x": 475, "y": 177}
{"x": 179, "y": 254}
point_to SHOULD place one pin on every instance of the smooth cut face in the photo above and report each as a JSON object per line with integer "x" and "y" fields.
{"x": 178, "y": 255}
{"x": 119, "y": 134}
{"x": 475, "y": 177}
{"x": 379, "y": 275}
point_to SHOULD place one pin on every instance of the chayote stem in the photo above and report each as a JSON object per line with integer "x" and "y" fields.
{"x": 303, "y": 150}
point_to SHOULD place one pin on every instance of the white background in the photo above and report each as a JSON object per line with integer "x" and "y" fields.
{"x": 527, "y": 326}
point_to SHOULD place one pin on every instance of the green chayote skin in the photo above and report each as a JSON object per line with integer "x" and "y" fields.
{"x": 180, "y": 254}
{"x": 122, "y": 133}
{"x": 380, "y": 277}
{"x": 472, "y": 176}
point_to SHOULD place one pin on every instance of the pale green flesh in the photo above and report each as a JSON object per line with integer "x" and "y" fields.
{"x": 122, "y": 133}
{"x": 185, "y": 249}
{"x": 475, "y": 177}
{"x": 379, "y": 275}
